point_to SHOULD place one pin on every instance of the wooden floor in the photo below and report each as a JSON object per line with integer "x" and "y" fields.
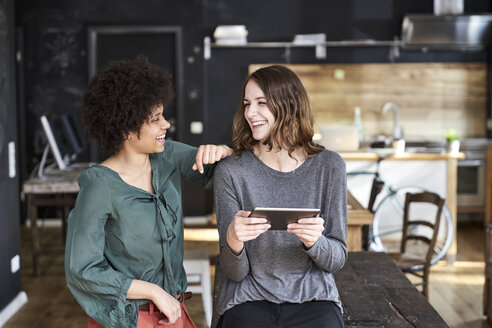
{"x": 456, "y": 290}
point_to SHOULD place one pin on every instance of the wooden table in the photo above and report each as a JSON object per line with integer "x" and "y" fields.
{"x": 357, "y": 217}
{"x": 375, "y": 293}
{"x": 59, "y": 188}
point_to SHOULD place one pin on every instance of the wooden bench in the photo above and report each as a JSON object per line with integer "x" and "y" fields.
{"x": 374, "y": 293}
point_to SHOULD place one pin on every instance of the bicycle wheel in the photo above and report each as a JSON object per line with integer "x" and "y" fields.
{"x": 388, "y": 224}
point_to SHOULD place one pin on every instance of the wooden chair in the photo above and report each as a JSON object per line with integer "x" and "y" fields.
{"x": 417, "y": 246}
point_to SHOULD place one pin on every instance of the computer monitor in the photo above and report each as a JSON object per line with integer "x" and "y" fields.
{"x": 71, "y": 139}
{"x": 52, "y": 144}
{"x": 63, "y": 140}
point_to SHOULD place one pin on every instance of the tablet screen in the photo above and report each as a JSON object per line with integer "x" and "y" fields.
{"x": 279, "y": 218}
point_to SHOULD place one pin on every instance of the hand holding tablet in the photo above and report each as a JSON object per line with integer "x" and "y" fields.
{"x": 279, "y": 218}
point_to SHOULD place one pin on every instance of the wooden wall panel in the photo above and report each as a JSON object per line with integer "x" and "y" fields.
{"x": 432, "y": 97}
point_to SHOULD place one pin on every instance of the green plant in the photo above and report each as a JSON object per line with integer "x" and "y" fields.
{"x": 451, "y": 135}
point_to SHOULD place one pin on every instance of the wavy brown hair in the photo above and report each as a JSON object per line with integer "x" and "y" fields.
{"x": 289, "y": 103}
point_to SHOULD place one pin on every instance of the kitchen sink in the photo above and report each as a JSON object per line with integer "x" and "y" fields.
{"x": 425, "y": 150}
{"x": 382, "y": 145}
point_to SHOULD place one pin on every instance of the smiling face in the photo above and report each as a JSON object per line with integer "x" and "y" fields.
{"x": 275, "y": 112}
{"x": 152, "y": 133}
{"x": 256, "y": 112}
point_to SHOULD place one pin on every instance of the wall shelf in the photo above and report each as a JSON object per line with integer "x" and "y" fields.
{"x": 353, "y": 43}
{"x": 320, "y": 48}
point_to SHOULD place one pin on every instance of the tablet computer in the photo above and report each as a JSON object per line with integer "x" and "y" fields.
{"x": 279, "y": 218}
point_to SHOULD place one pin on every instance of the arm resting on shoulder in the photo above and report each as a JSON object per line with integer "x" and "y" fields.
{"x": 192, "y": 161}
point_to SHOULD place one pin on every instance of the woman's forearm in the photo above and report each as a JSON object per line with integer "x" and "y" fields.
{"x": 166, "y": 303}
{"x": 140, "y": 289}
{"x": 235, "y": 245}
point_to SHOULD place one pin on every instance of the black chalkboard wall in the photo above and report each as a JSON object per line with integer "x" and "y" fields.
{"x": 55, "y": 62}
{"x": 10, "y": 282}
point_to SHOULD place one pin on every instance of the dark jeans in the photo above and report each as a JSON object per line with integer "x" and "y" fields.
{"x": 315, "y": 314}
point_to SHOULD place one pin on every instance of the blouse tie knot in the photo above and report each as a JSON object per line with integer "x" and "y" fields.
{"x": 164, "y": 222}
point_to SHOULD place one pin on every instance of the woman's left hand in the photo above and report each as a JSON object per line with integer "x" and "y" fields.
{"x": 308, "y": 230}
{"x": 209, "y": 154}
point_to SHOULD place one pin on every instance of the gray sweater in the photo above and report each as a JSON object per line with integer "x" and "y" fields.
{"x": 276, "y": 266}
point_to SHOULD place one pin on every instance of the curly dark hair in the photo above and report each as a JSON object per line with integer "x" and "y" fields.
{"x": 119, "y": 99}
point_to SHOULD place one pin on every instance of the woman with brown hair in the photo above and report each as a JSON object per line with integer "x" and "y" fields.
{"x": 278, "y": 278}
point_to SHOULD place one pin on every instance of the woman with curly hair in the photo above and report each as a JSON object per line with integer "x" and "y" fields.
{"x": 124, "y": 249}
{"x": 279, "y": 278}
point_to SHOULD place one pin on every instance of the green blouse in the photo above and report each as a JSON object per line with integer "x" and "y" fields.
{"x": 117, "y": 233}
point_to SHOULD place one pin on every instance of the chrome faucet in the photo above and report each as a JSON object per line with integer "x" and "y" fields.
{"x": 396, "y": 127}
